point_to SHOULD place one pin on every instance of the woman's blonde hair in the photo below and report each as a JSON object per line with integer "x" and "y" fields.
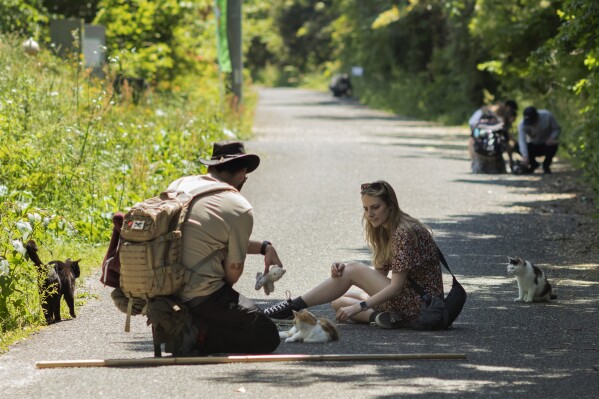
{"x": 379, "y": 238}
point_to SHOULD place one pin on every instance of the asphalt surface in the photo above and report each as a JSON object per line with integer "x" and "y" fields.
{"x": 316, "y": 151}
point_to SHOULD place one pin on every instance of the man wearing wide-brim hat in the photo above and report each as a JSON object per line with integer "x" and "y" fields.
{"x": 216, "y": 240}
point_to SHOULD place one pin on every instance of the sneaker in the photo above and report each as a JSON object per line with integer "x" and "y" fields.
{"x": 281, "y": 311}
{"x": 388, "y": 320}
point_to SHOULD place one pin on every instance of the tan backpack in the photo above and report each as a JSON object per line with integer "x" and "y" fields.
{"x": 150, "y": 245}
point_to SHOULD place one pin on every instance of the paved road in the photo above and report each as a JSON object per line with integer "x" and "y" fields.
{"x": 315, "y": 152}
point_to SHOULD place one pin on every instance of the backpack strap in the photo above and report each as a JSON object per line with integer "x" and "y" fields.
{"x": 186, "y": 197}
{"x": 128, "y": 319}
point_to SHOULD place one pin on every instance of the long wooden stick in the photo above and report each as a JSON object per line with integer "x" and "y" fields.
{"x": 168, "y": 361}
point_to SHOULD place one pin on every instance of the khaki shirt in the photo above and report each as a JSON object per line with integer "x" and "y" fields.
{"x": 218, "y": 228}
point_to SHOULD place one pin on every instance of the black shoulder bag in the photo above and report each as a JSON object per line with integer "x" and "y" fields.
{"x": 437, "y": 313}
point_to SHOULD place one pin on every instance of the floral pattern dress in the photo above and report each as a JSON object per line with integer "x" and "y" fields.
{"x": 417, "y": 254}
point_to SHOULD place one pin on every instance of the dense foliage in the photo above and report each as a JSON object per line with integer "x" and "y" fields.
{"x": 74, "y": 149}
{"x": 162, "y": 41}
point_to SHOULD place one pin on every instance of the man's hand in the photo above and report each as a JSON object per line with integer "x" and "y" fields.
{"x": 551, "y": 141}
{"x": 271, "y": 258}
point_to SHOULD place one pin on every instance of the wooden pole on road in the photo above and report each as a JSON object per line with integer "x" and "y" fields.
{"x": 169, "y": 361}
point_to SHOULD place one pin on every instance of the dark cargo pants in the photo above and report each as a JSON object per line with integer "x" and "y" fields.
{"x": 231, "y": 323}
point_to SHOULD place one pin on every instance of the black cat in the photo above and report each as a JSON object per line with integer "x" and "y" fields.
{"x": 55, "y": 281}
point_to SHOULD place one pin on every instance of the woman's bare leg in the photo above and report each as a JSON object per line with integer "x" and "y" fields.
{"x": 355, "y": 273}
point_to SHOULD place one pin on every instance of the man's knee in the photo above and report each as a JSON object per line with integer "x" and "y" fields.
{"x": 265, "y": 335}
{"x": 551, "y": 150}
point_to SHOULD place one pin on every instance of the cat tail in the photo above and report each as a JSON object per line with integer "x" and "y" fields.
{"x": 329, "y": 328}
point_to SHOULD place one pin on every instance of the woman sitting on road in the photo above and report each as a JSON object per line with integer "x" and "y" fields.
{"x": 400, "y": 244}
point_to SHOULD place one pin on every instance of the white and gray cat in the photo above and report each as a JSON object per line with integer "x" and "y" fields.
{"x": 532, "y": 281}
{"x": 309, "y": 328}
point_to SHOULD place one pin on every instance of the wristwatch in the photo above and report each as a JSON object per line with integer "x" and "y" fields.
{"x": 263, "y": 247}
{"x": 363, "y": 306}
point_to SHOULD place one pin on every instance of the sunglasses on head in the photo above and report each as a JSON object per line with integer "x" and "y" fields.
{"x": 372, "y": 186}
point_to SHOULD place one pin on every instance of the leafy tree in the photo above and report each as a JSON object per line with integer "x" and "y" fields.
{"x": 509, "y": 32}
{"x": 73, "y": 8}
{"x": 262, "y": 43}
{"x": 22, "y": 17}
{"x": 159, "y": 40}
{"x": 571, "y": 58}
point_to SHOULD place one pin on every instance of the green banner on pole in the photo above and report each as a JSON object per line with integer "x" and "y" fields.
{"x": 224, "y": 59}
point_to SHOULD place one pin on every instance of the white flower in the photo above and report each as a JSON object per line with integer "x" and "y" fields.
{"x": 18, "y": 246}
{"x": 24, "y": 227}
{"x": 3, "y": 190}
{"x": 34, "y": 217}
{"x": 4, "y": 267}
{"x": 229, "y": 133}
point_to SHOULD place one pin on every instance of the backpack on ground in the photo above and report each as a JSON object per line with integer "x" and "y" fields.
{"x": 148, "y": 255}
{"x": 489, "y": 135}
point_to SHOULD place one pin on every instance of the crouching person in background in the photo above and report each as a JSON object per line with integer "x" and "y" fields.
{"x": 538, "y": 135}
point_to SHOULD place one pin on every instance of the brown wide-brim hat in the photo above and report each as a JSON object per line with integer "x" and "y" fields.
{"x": 227, "y": 151}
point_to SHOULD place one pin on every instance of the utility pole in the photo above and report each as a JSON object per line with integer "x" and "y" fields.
{"x": 235, "y": 47}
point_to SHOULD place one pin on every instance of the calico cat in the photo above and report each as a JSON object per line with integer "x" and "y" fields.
{"x": 57, "y": 279}
{"x": 309, "y": 328}
{"x": 532, "y": 282}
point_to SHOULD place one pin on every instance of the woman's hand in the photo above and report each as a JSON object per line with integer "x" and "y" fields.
{"x": 337, "y": 269}
{"x": 344, "y": 313}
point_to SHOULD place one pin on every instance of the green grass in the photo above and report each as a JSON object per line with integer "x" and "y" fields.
{"x": 72, "y": 152}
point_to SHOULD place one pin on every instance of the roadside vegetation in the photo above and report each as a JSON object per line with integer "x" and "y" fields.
{"x": 73, "y": 150}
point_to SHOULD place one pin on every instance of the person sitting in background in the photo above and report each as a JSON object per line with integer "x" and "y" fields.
{"x": 500, "y": 114}
{"x": 341, "y": 85}
{"x": 538, "y": 134}
{"x": 505, "y": 112}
